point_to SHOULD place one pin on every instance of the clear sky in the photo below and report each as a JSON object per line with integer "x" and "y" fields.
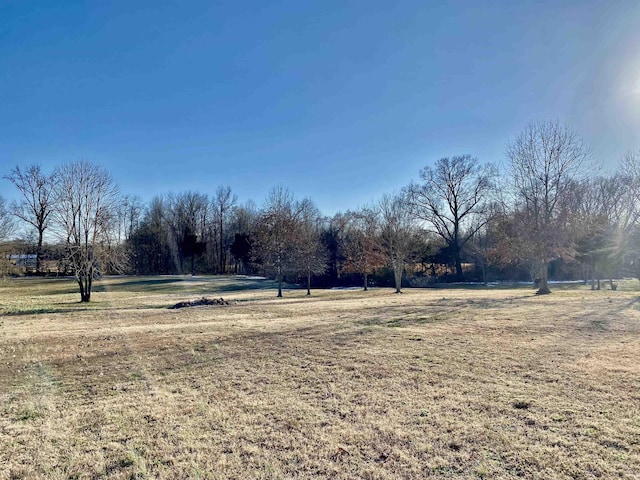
{"x": 340, "y": 101}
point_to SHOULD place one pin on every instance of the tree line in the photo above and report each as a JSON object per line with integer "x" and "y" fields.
{"x": 547, "y": 209}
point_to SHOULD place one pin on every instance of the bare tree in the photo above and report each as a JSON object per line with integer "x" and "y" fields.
{"x": 544, "y": 161}
{"x": 129, "y": 213}
{"x": 397, "y": 233}
{"x": 361, "y": 243}
{"x": 6, "y": 230}
{"x": 333, "y": 239}
{"x": 484, "y": 243}
{"x": 452, "y": 200}
{"x": 276, "y": 236}
{"x": 37, "y": 201}
{"x": 86, "y": 201}
{"x": 186, "y": 216}
{"x": 599, "y": 211}
{"x": 629, "y": 172}
{"x": 242, "y": 226}
{"x": 224, "y": 201}
{"x": 310, "y": 251}
{"x": 6, "y": 221}
{"x": 151, "y": 240}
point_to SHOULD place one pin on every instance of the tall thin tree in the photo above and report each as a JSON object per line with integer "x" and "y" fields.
{"x": 397, "y": 233}
{"x": 277, "y": 232}
{"x": 224, "y": 201}
{"x": 544, "y": 160}
{"x": 362, "y": 244}
{"x": 310, "y": 251}
{"x": 37, "y": 202}
{"x": 6, "y": 221}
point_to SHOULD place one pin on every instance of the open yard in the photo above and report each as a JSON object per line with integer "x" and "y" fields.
{"x": 443, "y": 383}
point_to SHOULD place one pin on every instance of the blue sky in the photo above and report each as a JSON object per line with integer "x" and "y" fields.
{"x": 340, "y": 101}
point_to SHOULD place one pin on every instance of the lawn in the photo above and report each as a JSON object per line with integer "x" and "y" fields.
{"x": 460, "y": 383}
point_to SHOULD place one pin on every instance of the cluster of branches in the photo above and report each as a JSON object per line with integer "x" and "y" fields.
{"x": 562, "y": 209}
{"x": 550, "y": 205}
{"x": 77, "y": 203}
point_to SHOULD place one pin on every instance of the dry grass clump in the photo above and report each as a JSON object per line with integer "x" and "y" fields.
{"x": 431, "y": 383}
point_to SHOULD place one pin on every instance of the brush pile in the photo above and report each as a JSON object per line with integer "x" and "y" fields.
{"x": 201, "y": 301}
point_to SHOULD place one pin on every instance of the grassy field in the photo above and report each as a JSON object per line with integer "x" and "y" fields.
{"x": 464, "y": 383}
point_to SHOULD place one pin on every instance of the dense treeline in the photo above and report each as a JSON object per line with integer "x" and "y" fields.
{"x": 549, "y": 213}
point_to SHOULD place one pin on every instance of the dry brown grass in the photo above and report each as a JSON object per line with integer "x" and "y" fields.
{"x": 430, "y": 383}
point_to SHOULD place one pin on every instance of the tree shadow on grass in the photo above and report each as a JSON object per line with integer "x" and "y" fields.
{"x": 401, "y": 322}
{"x": 81, "y": 307}
{"x": 137, "y": 285}
{"x": 184, "y": 284}
{"x": 266, "y": 285}
{"x": 628, "y": 305}
{"x": 41, "y": 311}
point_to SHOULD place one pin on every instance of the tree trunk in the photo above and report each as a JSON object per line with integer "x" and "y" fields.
{"x": 397, "y": 273}
{"x": 279, "y": 284}
{"x": 308, "y": 283}
{"x": 458, "y": 264}
{"x": 193, "y": 265}
{"x": 544, "y": 275}
{"x": 221, "y": 259}
{"x": 85, "y": 289}
{"x": 39, "y": 250}
{"x": 365, "y": 282}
